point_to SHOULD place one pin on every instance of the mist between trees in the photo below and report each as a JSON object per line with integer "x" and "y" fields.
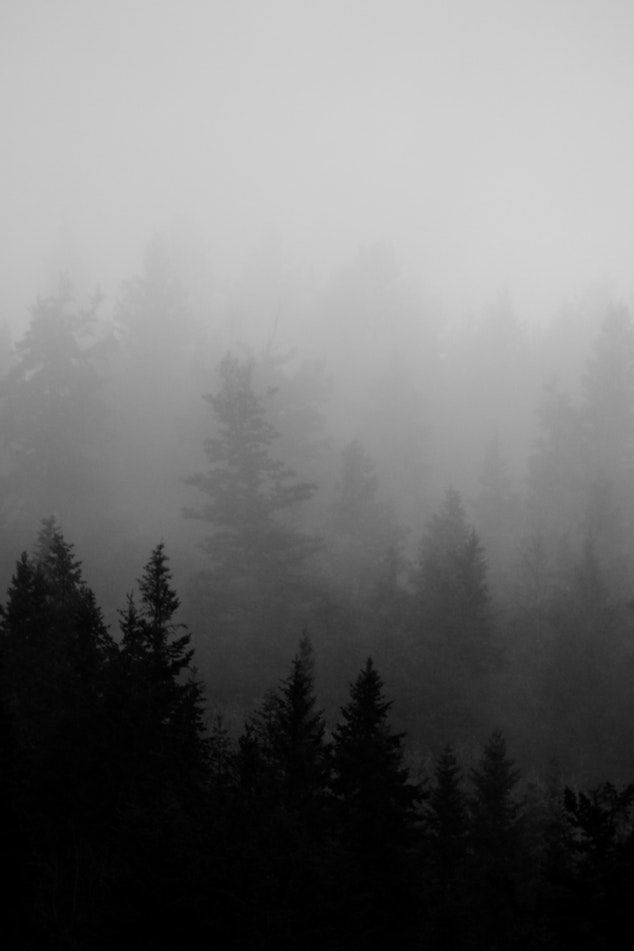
{"x": 455, "y": 503}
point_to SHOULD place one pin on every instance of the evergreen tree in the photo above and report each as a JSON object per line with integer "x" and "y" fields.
{"x": 377, "y": 810}
{"x": 56, "y": 661}
{"x": 598, "y": 882}
{"x": 57, "y": 653}
{"x": 494, "y": 810}
{"x": 165, "y": 819}
{"x": 580, "y": 680}
{"x": 447, "y": 815}
{"x": 297, "y": 737}
{"x": 497, "y": 862}
{"x": 256, "y": 552}
{"x": 286, "y": 866}
{"x": 247, "y": 489}
{"x": 166, "y": 714}
{"x": 53, "y": 417}
{"x": 456, "y": 644}
{"x": 446, "y": 851}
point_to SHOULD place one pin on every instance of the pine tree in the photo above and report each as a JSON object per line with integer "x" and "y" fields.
{"x": 494, "y": 810}
{"x": 497, "y": 860}
{"x": 580, "y": 682}
{"x": 446, "y": 821}
{"x": 377, "y": 812}
{"x": 247, "y": 489}
{"x": 166, "y": 702}
{"x": 599, "y": 842}
{"x": 447, "y": 816}
{"x": 456, "y": 644}
{"x": 297, "y": 738}
{"x": 56, "y": 658}
{"x": 256, "y": 553}
{"x": 57, "y": 653}
{"x": 283, "y": 771}
{"x": 53, "y": 417}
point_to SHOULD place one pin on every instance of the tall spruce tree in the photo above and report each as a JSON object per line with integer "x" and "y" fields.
{"x": 256, "y": 551}
{"x": 247, "y": 490}
{"x": 498, "y": 869}
{"x": 456, "y": 642}
{"x": 377, "y": 813}
{"x": 57, "y": 653}
{"x": 53, "y": 416}
{"x": 446, "y": 821}
{"x": 56, "y": 657}
{"x": 166, "y": 713}
{"x": 283, "y": 770}
{"x": 286, "y": 739}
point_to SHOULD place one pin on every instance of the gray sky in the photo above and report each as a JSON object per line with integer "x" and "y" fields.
{"x": 492, "y": 143}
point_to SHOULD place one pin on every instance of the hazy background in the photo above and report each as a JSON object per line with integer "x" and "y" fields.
{"x": 491, "y": 144}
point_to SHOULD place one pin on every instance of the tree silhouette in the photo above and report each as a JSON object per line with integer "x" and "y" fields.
{"x": 376, "y": 810}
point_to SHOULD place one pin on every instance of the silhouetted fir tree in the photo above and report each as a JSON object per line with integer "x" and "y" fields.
{"x": 444, "y": 849}
{"x": 447, "y": 810}
{"x": 283, "y": 768}
{"x": 496, "y": 849}
{"x": 600, "y": 849}
{"x": 297, "y": 738}
{"x": 163, "y": 765}
{"x": 167, "y": 702}
{"x": 15, "y": 847}
{"x": 57, "y": 652}
{"x": 377, "y": 814}
{"x": 56, "y": 661}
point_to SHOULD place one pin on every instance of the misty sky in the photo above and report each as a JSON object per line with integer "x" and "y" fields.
{"x": 491, "y": 143}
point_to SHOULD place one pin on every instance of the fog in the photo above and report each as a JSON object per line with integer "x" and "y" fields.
{"x": 316, "y": 473}
{"x": 489, "y": 144}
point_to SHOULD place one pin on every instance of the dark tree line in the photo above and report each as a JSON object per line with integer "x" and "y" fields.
{"x": 128, "y": 818}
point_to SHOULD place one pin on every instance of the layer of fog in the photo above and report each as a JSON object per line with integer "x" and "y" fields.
{"x": 490, "y": 145}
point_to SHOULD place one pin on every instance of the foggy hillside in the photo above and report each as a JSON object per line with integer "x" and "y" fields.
{"x": 324, "y": 314}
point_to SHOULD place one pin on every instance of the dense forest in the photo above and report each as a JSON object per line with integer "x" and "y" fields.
{"x": 400, "y": 546}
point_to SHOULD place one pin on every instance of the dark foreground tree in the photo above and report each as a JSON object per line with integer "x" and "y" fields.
{"x": 287, "y": 870}
{"x": 377, "y": 814}
{"x": 166, "y": 717}
{"x": 56, "y": 658}
{"x": 162, "y": 767}
{"x": 446, "y": 826}
{"x": 496, "y": 885}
